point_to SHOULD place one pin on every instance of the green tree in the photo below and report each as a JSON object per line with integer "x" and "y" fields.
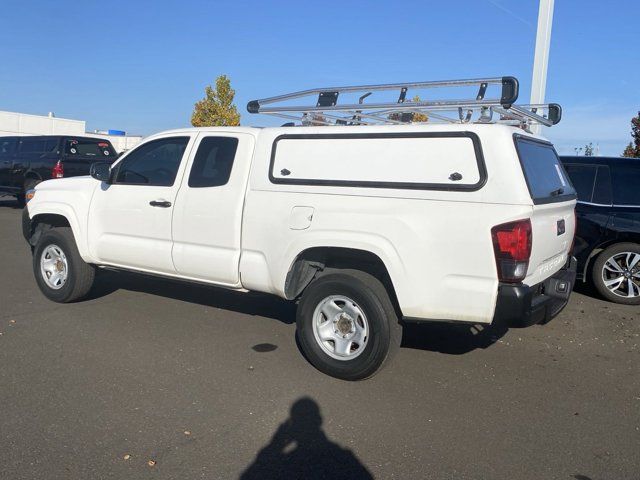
{"x": 633, "y": 149}
{"x": 217, "y": 107}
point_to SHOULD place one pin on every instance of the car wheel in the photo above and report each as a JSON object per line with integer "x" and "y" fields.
{"x": 616, "y": 273}
{"x": 346, "y": 324}
{"x": 60, "y": 272}
{"x": 28, "y": 185}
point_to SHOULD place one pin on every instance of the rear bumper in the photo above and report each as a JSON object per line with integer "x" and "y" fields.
{"x": 521, "y": 305}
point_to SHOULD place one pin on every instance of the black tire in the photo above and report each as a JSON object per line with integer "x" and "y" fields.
{"x": 371, "y": 297}
{"x": 28, "y": 185}
{"x": 599, "y": 271}
{"x": 79, "y": 275}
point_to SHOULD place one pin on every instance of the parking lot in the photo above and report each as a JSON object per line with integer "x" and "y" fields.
{"x": 155, "y": 379}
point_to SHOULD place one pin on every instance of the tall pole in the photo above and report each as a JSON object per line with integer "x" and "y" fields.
{"x": 541, "y": 58}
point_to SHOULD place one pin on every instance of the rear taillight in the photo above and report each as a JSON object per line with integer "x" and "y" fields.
{"x": 58, "y": 170}
{"x": 512, "y": 249}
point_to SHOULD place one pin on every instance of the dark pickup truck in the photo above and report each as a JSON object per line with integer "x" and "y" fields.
{"x": 28, "y": 160}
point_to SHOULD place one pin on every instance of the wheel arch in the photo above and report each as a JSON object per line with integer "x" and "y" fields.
{"x": 317, "y": 260}
{"x": 44, "y": 217}
{"x": 32, "y": 174}
{"x": 621, "y": 237}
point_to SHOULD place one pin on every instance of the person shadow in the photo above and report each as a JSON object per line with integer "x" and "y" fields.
{"x": 300, "y": 449}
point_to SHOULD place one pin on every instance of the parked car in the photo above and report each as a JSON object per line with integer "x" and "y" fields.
{"x": 608, "y": 235}
{"x": 366, "y": 227}
{"x": 28, "y": 160}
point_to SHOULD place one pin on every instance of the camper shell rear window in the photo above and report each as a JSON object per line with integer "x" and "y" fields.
{"x": 421, "y": 161}
{"x": 89, "y": 147}
{"x": 546, "y": 178}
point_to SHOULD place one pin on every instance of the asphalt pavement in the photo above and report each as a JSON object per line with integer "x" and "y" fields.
{"x": 150, "y": 378}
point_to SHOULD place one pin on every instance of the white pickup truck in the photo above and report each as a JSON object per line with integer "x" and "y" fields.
{"x": 366, "y": 227}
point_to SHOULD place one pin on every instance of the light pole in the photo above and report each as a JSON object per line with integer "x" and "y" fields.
{"x": 541, "y": 57}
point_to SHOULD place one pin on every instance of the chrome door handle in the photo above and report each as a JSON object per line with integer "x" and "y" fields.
{"x": 160, "y": 203}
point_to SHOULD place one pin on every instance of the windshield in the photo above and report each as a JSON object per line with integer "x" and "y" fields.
{"x": 544, "y": 172}
{"x": 86, "y": 147}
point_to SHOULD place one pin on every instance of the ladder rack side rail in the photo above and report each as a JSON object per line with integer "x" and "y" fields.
{"x": 437, "y": 104}
{"x": 509, "y": 90}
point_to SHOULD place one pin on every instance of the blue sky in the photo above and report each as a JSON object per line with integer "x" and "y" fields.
{"x": 140, "y": 66}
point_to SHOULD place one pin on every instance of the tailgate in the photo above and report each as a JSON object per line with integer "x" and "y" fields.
{"x": 553, "y": 226}
{"x": 554, "y": 200}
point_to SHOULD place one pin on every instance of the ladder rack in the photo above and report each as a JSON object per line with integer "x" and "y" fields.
{"x": 482, "y": 109}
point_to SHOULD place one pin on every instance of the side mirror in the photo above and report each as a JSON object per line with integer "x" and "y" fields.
{"x": 101, "y": 171}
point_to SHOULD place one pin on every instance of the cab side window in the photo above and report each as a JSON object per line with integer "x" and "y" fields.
{"x": 592, "y": 182}
{"x": 7, "y": 147}
{"x": 154, "y": 163}
{"x": 213, "y": 162}
{"x": 51, "y": 145}
{"x": 602, "y": 189}
{"x": 33, "y": 146}
{"x": 583, "y": 178}
{"x": 626, "y": 179}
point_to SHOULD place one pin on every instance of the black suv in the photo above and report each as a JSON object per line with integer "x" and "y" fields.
{"x": 607, "y": 243}
{"x": 27, "y": 161}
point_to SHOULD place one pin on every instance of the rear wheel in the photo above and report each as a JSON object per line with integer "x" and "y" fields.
{"x": 60, "y": 272}
{"x": 616, "y": 273}
{"x": 346, "y": 324}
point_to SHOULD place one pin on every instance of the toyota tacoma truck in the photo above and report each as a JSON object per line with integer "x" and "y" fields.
{"x": 364, "y": 217}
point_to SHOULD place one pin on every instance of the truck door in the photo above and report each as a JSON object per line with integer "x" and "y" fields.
{"x": 207, "y": 218}
{"x": 130, "y": 219}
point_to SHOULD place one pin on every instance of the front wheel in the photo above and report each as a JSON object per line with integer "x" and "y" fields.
{"x": 346, "y": 324}
{"x": 616, "y": 273}
{"x": 60, "y": 272}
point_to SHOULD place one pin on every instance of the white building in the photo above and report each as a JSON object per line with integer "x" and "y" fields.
{"x": 12, "y": 123}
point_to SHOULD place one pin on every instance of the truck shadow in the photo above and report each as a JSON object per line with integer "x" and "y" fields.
{"x": 587, "y": 289}
{"x": 250, "y": 303}
{"x": 436, "y": 337}
{"x": 452, "y": 339}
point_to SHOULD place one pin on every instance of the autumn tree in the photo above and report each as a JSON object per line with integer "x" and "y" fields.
{"x": 217, "y": 107}
{"x": 411, "y": 116}
{"x": 418, "y": 116}
{"x": 633, "y": 149}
